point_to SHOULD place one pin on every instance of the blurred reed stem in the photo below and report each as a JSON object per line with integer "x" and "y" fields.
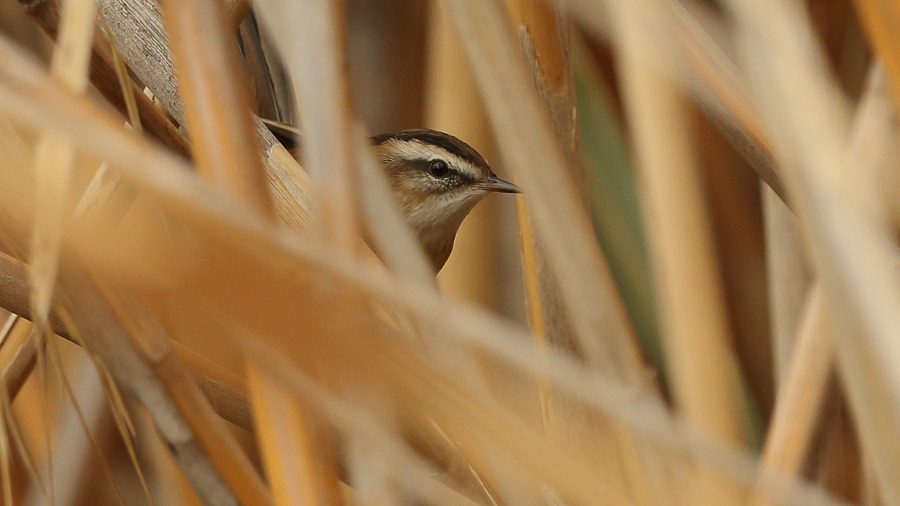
{"x": 848, "y": 242}
{"x": 225, "y": 390}
{"x": 881, "y": 21}
{"x": 17, "y": 354}
{"x": 615, "y": 207}
{"x": 703, "y": 371}
{"x": 788, "y": 276}
{"x": 225, "y": 148}
{"x": 800, "y": 396}
{"x": 452, "y": 105}
{"x": 54, "y": 160}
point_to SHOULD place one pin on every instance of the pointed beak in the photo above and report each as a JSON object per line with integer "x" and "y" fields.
{"x": 495, "y": 184}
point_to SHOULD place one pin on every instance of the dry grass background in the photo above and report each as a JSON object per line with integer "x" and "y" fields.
{"x": 695, "y": 301}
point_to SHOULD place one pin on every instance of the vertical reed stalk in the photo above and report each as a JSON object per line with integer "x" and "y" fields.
{"x": 543, "y": 32}
{"x": 452, "y": 105}
{"x": 800, "y": 396}
{"x": 694, "y": 324}
{"x": 789, "y": 278}
{"x": 217, "y": 108}
{"x": 55, "y": 156}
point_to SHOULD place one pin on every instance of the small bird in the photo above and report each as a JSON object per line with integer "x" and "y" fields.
{"x": 436, "y": 179}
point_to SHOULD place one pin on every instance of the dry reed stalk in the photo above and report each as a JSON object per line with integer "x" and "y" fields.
{"x": 543, "y": 34}
{"x": 712, "y": 78}
{"x": 216, "y": 103}
{"x": 452, "y": 105}
{"x": 55, "y": 156}
{"x": 800, "y": 396}
{"x": 788, "y": 276}
{"x": 475, "y": 270}
{"x": 225, "y": 390}
{"x": 104, "y": 77}
{"x": 717, "y": 84}
{"x": 293, "y": 445}
{"x": 401, "y": 253}
{"x": 805, "y": 383}
{"x": 881, "y": 21}
{"x": 159, "y": 382}
{"x": 200, "y": 434}
{"x": 17, "y": 355}
{"x": 387, "y": 228}
{"x": 703, "y": 370}
{"x": 848, "y": 242}
{"x": 139, "y": 35}
{"x": 309, "y": 36}
{"x": 529, "y": 146}
{"x": 166, "y": 178}
{"x": 75, "y": 445}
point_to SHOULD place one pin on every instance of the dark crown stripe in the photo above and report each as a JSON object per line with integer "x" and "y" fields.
{"x": 442, "y": 140}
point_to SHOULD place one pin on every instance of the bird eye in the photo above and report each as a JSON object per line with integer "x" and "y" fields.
{"x": 438, "y": 168}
